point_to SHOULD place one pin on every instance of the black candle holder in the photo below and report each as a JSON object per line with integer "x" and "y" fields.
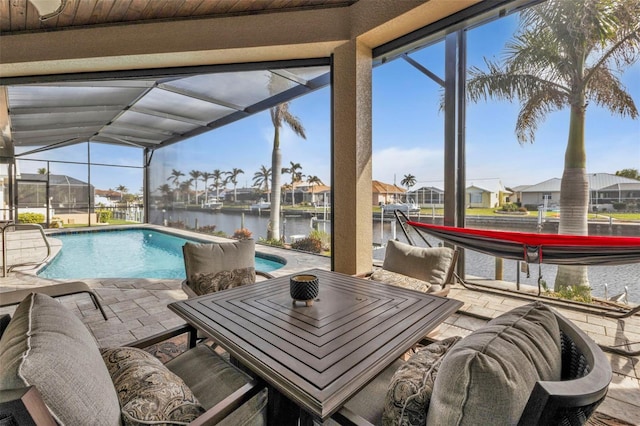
{"x": 304, "y": 288}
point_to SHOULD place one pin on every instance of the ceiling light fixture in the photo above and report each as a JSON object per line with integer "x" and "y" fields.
{"x": 48, "y": 9}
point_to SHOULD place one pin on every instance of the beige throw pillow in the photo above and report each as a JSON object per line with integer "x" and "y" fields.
{"x": 212, "y": 258}
{"x": 429, "y": 264}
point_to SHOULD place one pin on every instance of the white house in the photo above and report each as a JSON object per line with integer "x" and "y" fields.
{"x": 604, "y": 190}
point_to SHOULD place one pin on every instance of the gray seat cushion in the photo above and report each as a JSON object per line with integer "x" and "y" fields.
{"x": 430, "y": 264}
{"x": 369, "y": 401}
{"x": 251, "y": 413}
{"x": 221, "y": 380}
{"x": 46, "y": 345}
{"x": 487, "y": 377}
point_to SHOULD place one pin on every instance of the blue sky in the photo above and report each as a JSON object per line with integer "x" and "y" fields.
{"x": 407, "y": 133}
{"x": 408, "y": 129}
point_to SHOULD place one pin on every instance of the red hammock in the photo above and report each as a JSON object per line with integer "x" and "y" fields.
{"x": 540, "y": 248}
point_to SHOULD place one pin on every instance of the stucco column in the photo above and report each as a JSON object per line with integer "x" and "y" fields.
{"x": 352, "y": 209}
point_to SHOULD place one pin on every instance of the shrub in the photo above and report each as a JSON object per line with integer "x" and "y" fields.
{"x": 509, "y": 207}
{"x": 577, "y": 294}
{"x": 271, "y": 242}
{"x": 30, "y": 218}
{"x": 531, "y": 207}
{"x": 620, "y": 206}
{"x": 207, "y": 229}
{"x": 522, "y": 209}
{"x": 323, "y": 236}
{"x": 178, "y": 224}
{"x": 242, "y": 234}
{"x": 312, "y": 245}
{"x": 104, "y": 216}
{"x": 56, "y": 222}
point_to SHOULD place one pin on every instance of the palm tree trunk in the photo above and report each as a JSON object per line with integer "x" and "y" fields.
{"x": 273, "y": 230}
{"x": 574, "y": 198}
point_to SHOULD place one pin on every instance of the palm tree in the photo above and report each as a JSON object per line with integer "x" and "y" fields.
{"x": 233, "y": 178}
{"x": 218, "y": 180}
{"x": 296, "y": 176}
{"x": 185, "y": 187}
{"x": 205, "y": 177}
{"x": 121, "y": 189}
{"x": 175, "y": 179}
{"x": 165, "y": 190}
{"x": 408, "y": 181}
{"x": 279, "y": 115}
{"x": 313, "y": 181}
{"x": 261, "y": 179}
{"x": 567, "y": 53}
{"x": 195, "y": 176}
{"x": 42, "y": 171}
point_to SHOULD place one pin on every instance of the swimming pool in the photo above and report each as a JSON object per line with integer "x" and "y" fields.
{"x": 131, "y": 253}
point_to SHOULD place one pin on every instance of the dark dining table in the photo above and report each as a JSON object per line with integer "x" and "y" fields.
{"x": 314, "y": 358}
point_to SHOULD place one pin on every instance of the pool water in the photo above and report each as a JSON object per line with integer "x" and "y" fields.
{"x": 136, "y": 253}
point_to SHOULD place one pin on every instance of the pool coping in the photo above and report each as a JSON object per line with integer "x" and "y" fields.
{"x": 294, "y": 260}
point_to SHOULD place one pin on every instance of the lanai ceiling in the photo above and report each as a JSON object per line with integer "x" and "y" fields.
{"x": 22, "y": 15}
{"x": 147, "y": 110}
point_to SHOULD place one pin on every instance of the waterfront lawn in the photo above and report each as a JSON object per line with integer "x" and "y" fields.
{"x": 621, "y": 216}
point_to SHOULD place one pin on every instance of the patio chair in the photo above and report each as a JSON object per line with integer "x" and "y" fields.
{"x": 93, "y": 385}
{"x": 14, "y": 297}
{"x": 212, "y": 267}
{"x": 428, "y": 269}
{"x": 469, "y": 381}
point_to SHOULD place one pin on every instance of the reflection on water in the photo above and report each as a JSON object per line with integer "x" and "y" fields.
{"x": 477, "y": 264}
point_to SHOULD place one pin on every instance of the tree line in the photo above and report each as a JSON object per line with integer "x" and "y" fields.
{"x": 186, "y": 184}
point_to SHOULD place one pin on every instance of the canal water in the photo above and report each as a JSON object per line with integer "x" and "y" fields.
{"x": 481, "y": 265}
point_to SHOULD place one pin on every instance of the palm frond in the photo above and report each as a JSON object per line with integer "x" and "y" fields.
{"x": 538, "y": 55}
{"x": 280, "y": 114}
{"x": 562, "y": 56}
{"x": 534, "y": 111}
{"x": 294, "y": 123}
{"x": 609, "y": 92}
{"x": 506, "y": 85}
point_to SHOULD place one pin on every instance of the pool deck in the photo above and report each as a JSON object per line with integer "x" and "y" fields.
{"x": 137, "y": 308}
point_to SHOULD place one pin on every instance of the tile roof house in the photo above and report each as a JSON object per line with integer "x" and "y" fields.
{"x": 386, "y": 193}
